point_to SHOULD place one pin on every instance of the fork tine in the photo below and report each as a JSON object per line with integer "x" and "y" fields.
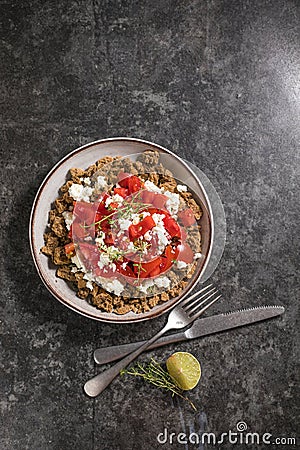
{"x": 195, "y": 316}
{"x": 187, "y": 300}
{"x": 197, "y": 303}
{"x": 187, "y": 307}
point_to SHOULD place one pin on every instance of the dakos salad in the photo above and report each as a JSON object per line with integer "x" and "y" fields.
{"x": 125, "y": 234}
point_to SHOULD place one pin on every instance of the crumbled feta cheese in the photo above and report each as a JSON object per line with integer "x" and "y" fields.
{"x": 88, "y": 276}
{"x": 68, "y": 216}
{"x": 172, "y": 204}
{"x": 162, "y": 237}
{"x": 111, "y": 286}
{"x": 114, "y": 199}
{"x": 145, "y": 214}
{"x": 131, "y": 247}
{"x": 148, "y": 235}
{"x": 124, "y": 264}
{"x": 100, "y": 238}
{"x": 86, "y": 181}
{"x": 135, "y": 218}
{"x": 145, "y": 286}
{"x": 197, "y": 255}
{"x": 158, "y": 219}
{"x": 89, "y": 285}
{"x": 104, "y": 260}
{"x": 108, "y": 202}
{"x": 160, "y": 231}
{"x": 80, "y": 193}
{"x": 113, "y": 252}
{"x": 181, "y": 188}
{"x": 87, "y": 193}
{"x": 101, "y": 235}
{"x": 124, "y": 223}
{"x": 152, "y": 187}
{"x": 75, "y": 260}
{"x": 100, "y": 182}
{"x": 118, "y": 198}
{"x": 162, "y": 282}
{"x": 75, "y": 191}
{"x": 181, "y": 264}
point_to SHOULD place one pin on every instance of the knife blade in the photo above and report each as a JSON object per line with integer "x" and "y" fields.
{"x": 201, "y": 327}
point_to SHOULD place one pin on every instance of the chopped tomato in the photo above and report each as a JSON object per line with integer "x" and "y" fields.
{"x": 109, "y": 239}
{"x": 130, "y": 182}
{"x": 147, "y": 224}
{"x": 101, "y": 206}
{"x": 146, "y": 268}
{"x": 186, "y": 254}
{"x": 113, "y": 205}
{"x": 127, "y": 272}
{"x": 134, "y": 184}
{"x": 123, "y": 178}
{"x": 123, "y": 192}
{"x": 99, "y": 216}
{"x": 187, "y": 217}
{"x": 103, "y": 226}
{"x": 172, "y": 226}
{"x": 135, "y": 231}
{"x": 155, "y": 272}
{"x": 156, "y": 211}
{"x": 70, "y": 248}
{"x": 101, "y": 222}
{"x": 170, "y": 255}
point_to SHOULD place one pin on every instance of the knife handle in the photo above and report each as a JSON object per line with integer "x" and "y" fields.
{"x": 109, "y": 354}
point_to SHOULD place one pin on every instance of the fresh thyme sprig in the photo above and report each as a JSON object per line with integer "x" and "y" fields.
{"x": 153, "y": 373}
{"x": 140, "y": 269}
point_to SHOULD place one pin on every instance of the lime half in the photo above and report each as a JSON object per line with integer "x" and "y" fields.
{"x": 185, "y": 369}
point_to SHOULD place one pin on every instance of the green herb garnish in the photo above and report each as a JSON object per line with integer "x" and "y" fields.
{"x": 153, "y": 373}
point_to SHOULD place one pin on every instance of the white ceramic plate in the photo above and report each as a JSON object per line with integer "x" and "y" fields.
{"x": 48, "y": 192}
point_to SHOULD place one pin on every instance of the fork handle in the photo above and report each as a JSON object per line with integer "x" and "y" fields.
{"x": 96, "y": 385}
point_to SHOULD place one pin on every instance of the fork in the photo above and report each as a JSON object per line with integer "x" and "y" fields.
{"x": 181, "y": 316}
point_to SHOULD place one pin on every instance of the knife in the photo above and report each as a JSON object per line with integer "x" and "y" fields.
{"x": 201, "y": 327}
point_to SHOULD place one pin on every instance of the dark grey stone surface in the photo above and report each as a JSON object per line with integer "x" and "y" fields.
{"x": 215, "y": 81}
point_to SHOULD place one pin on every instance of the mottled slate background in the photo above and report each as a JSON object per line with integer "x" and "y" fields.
{"x": 215, "y": 81}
